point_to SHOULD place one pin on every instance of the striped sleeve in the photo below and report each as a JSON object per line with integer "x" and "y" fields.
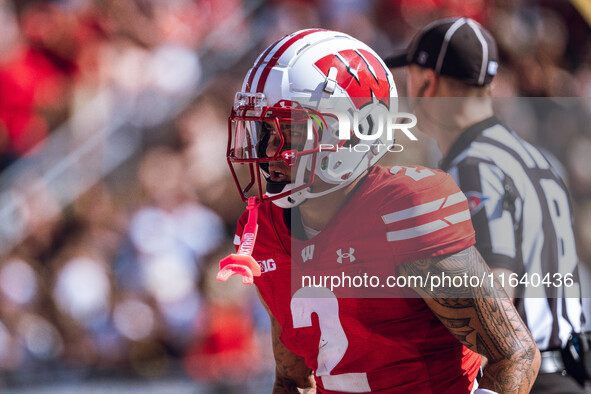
{"x": 428, "y": 223}
{"x": 493, "y": 212}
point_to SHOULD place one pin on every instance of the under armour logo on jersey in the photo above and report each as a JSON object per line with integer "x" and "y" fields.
{"x": 307, "y": 253}
{"x": 348, "y": 256}
{"x": 360, "y": 74}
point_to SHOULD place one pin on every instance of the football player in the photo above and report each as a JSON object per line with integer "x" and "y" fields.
{"x": 309, "y": 124}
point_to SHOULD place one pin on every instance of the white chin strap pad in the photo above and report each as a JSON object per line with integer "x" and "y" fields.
{"x": 293, "y": 200}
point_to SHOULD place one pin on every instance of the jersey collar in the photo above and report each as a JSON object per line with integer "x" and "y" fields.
{"x": 465, "y": 139}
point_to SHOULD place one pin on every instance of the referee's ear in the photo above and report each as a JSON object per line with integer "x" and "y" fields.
{"x": 430, "y": 84}
{"x": 434, "y": 89}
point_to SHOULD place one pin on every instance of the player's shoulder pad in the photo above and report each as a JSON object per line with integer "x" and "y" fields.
{"x": 413, "y": 184}
{"x": 402, "y": 180}
{"x": 425, "y": 214}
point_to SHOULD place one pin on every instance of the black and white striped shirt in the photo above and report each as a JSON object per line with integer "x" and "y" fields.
{"x": 522, "y": 216}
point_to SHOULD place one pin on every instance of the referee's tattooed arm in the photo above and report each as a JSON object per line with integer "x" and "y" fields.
{"x": 482, "y": 318}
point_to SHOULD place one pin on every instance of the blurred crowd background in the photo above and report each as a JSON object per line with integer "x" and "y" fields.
{"x": 116, "y": 202}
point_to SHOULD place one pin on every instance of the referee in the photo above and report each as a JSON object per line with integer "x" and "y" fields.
{"x": 520, "y": 206}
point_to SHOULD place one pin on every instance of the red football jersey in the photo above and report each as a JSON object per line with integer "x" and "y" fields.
{"x": 352, "y": 340}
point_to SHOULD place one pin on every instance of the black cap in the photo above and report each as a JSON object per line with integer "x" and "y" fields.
{"x": 456, "y": 47}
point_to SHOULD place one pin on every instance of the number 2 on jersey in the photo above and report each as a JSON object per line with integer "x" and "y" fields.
{"x": 333, "y": 340}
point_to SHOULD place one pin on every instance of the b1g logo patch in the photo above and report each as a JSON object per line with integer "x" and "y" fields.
{"x": 475, "y": 202}
{"x": 267, "y": 265}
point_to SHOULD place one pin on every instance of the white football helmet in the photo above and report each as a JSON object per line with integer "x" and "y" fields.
{"x": 285, "y": 115}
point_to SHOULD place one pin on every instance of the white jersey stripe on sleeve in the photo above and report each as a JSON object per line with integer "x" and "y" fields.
{"x": 236, "y": 240}
{"x": 454, "y": 199}
{"x": 423, "y": 209}
{"x": 458, "y": 217}
{"x": 417, "y": 231}
{"x": 428, "y": 228}
{"x": 413, "y": 211}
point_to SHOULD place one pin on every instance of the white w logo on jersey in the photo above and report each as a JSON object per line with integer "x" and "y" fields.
{"x": 307, "y": 253}
{"x": 348, "y": 256}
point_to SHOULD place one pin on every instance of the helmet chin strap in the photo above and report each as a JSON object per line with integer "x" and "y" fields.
{"x": 294, "y": 199}
{"x": 289, "y": 201}
{"x": 311, "y": 194}
{"x": 301, "y": 196}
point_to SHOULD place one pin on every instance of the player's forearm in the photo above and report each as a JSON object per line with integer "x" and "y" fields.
{"x": 285, "y": 385}
{"x": 512, "y": 355}
{"x": 482, "y": 318}
{"x": 512, "y": 376}
{"x": 291, "y": 371}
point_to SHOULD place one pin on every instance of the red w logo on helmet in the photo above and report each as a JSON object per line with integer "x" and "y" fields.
{"x": 360, "y": 74}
